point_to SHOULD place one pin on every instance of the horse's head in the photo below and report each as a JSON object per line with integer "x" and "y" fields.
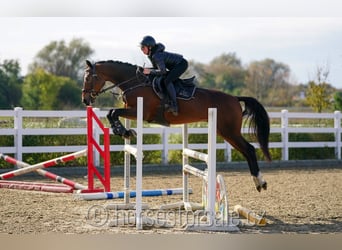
{"x": 92, "y": 84}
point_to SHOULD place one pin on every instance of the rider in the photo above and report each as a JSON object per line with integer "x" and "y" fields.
{"x": 170, "y": 65}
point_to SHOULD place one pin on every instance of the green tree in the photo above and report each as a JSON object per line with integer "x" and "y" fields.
{"x": 10, "y": 84}
{"x": 45, "y": 91}
{"x": 319, "y": 92}
{"x": 61, "y": 59}
{"x": 338, "y": 100}
{"x": 317, "y": 96}
{"x": 68, "y": 96}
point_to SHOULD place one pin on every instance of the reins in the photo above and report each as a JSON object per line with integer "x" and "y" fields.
{"x": 136, "y": 77}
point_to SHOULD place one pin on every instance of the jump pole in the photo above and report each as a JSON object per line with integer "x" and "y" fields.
{"x": 132, "y": 194}
{"x": 44, "y": 164}
{"x": 36, "y": 186}
{"x": 252, "y": 218}
{"x": 44, "y": 173}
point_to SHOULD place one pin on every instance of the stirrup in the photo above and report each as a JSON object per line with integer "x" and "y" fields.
{"x": 173, "y": 109}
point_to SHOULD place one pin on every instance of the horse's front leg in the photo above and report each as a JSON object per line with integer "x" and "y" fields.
{"x": 117, "y": 127}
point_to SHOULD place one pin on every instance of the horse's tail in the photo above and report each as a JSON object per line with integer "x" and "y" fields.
{"x": 259, "y": 122}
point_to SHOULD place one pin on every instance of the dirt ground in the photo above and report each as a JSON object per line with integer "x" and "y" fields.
{"x": 297, "y": 201}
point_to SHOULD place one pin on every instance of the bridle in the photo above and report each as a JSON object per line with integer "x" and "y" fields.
{"x": 138, "y": 75}
{"x": 91, "y": 90}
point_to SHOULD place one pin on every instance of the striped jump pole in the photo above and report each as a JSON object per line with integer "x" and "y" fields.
{"x": 44, "y": 164}
{"x": 36, "y": 186}
{"x": 44, "y": 173}
{"x": 132, "y": 194}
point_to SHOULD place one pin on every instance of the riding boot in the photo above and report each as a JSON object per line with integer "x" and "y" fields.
{"x": 173, "y": 99}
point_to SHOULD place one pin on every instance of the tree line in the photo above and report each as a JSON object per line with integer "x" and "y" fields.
{"x": 54, "y": 81}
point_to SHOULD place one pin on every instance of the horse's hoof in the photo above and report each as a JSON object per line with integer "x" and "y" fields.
{"x": 259, "y": 182}
{"x": 132, "y": 133}
{"x": 263, "y": 186}
{"x": 129, "y": 134}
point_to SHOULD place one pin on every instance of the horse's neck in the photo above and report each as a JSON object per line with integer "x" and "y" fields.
{"x": 119, "y": 74}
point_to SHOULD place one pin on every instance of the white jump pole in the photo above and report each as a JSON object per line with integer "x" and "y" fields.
{"x": 212, "y": 114}
{"x": 127, "y": 167}
{"x": 139, "y": 156}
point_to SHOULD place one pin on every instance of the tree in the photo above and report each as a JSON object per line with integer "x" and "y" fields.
{"x": 61, "y": 59}
{"x": 45, "y": 91}
{"x": 204, "y": 79}
{"x": 268, "y": 81}
{"x": 319, "y": 93}
{"x": 226, "y": 73}
{"x": 68, "y": 96}
{"x": 338, "y": 100}
{"x": 317, "y": 96}
{"x": 10, "y": 84}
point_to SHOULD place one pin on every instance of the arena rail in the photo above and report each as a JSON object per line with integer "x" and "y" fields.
{"x": 12, "y": 124}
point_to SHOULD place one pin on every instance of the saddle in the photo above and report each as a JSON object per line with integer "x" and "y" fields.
{"x": 185, "y": 88}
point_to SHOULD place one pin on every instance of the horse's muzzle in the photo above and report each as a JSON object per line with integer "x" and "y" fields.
{"x": 86, "y": 99}
{"x": 85, "y": 102}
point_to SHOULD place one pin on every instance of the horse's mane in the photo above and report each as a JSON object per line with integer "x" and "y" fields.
{"x": 120, "y": 66}
{"x": 119, "y": 62}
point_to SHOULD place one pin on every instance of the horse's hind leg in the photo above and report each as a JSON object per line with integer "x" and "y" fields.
{"x": 116, "y": 125}
{"x": 248, "y": 151}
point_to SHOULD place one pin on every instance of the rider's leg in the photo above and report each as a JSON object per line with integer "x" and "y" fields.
{"x": 172, "y": 96}
{"x": 173, "y": 75}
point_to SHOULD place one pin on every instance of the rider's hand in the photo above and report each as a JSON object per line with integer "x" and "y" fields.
{"x": 146, "y": 71}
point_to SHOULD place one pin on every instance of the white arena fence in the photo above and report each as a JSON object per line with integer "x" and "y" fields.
{"x": 12, "y": 123}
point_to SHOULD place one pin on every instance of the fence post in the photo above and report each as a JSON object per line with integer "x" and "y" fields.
{"x": 284, "y": 134}
{"x": 337, "y": 126}
{"x": 18, "y": 137}
{"x": 228, "y": 152}
{"x": 165, "y": 150}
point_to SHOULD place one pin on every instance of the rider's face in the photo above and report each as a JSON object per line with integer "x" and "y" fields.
{"x": 144, "y": 49}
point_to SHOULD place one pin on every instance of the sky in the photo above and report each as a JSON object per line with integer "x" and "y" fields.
{"x": 304, "y": 38}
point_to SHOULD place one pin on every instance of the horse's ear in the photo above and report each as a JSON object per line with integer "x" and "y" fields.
{"x": 89, "y": 64}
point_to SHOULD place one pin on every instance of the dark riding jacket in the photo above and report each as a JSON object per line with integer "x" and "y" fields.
{"x": 162, "y": 60}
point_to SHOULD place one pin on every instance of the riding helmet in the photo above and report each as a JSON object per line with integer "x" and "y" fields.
{"x": 148, "y": 41}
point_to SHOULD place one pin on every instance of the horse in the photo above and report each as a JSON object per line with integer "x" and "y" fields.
{"x": 133, "y": 83}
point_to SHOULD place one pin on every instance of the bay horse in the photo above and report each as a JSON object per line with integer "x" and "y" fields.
{"x": 133, "y": 83}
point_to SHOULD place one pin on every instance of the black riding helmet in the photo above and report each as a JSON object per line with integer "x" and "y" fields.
{"x": 148, "y": 41}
